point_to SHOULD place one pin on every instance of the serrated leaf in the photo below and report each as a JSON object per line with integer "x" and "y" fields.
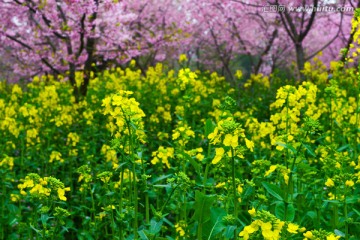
{"x": 274, "y": 190}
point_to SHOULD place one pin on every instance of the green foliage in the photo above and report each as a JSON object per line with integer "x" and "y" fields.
{"x": 181, "y": 155}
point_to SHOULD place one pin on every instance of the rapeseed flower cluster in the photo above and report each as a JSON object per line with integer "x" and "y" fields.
{"x": 293, "y": 102}
{"x": 186, "y": 77}
{"x": 162, "y": 156}
{"x": 43, "y": 188}
{"x": 7, "y": 162}
{"x": 267, "y": 226}
{"x": 320, "y": 234}
{"x": 227, "y": 133}
{"x": 125, "y": 115}
{"x": 182, "y": 133}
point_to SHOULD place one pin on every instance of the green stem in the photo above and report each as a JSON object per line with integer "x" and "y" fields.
{"x": 168, "y": 199}
{"x": 3, "y": 210}
{"x": 335, "y": 212}
{"x": 205, "y": 177}
{"x": 233, "y": 182}
{"x": 134, "y": 184}
{"x": 204, "y": 192}
{"x": 206, "y": 169}
{"x": 120, "y": 203}
{"x": 331, "y": 121}
{"x": 357, "y": 114}
{"x": 22, "y": 156}
{"x": 287, "y": 128}
{"x": 147, "y": 205}
{"x": 135, "y": 201}
{"x": 346, "y": 220}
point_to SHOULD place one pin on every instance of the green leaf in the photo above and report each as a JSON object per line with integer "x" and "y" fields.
{"x": 202, "y": 206}
{"x": 44, "y": 218}
{"x": 352, "y": 199}
{"x": 342, "y": 148}
{"x": 193, "y": 162}
{"x": 249, "y": 190}
{"x": 217, "y": 214}
{"x": 339, "y": 233}
{"x": 273, "y": 190}
{"x": 356, "y": 211}
{"x": 332, "y": 201}
{"x": 311, "y": 214}
{"x": 13, "y": 221}
{"x": 280, "y": 211}
{"x": 36, "y": 230}
{"x": 218, "y": 227}
{"x": 288, "y": 146}
{"x": 309, "y": 150}
{"x": 162, "y": 177}
{"x": 142, "y": 235}
{"x": 162, "y": 185}
{"x": 209, "y": 127}
{"x": 229, "y": 231}
{"x": 155, "y": 226}
{"x": 215, "y": 225}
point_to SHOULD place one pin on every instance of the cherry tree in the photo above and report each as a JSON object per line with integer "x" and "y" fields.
{"x": 314, "y": 26}
{"x": 273, "y": 34}
{"x": 226, "y": 29}
{"x": 64, "y": 36}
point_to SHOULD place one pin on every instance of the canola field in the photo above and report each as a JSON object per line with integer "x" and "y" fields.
{"x": 182, "y": 154}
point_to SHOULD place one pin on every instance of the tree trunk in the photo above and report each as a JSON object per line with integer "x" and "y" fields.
{"x": 300, "y": 58}
{"x": 73, "y": 82}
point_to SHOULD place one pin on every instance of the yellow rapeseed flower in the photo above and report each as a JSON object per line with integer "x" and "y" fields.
{"x": 252, "y": 212}
{"x": 332, "y": 237}
{"x": 231, "y": 140}
{"x": 329, "y": 183}
{"x": 308, "y": 235}
{"x": 240, "y": 189}
{"x": 183, "y": 58}
{"x": 61, "y": 193}
{"x": 179, "y": 230}
{"x": 219, "y": 152}
{"x": 272, "y": 169}
{"x": 349, "y": 183}
{"x": 292, "y": 228}
{"x": 249, "y": 144}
